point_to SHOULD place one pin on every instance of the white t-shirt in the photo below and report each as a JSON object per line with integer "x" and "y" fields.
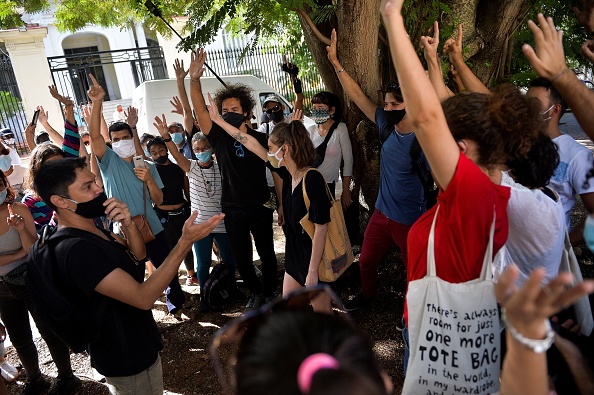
{"x": 536, "y": 232}
{"x": 205, "y": 192}
{"x": 119, "y": 116}
{"x": 339, "y": 148}
{"x": 575, "y": 161}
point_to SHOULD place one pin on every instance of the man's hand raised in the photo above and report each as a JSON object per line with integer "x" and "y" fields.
{"x": 95, "y": 92}
{"x": 198, "y": 58}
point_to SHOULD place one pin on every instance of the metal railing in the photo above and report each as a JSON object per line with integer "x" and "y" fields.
{"x": 264, "y": 63}
{"x": 12, "y": 114}
{"x": 70, "y": 72}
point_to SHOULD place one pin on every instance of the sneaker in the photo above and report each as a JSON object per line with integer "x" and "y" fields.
{"x": 192, "y": 281}
{"x": 9, "y": 372}
{"x": 254, "y": 303}
{"x": 35, "y": 387}
{"x": 356, "y": 302}
{"x": 65, "y": 386}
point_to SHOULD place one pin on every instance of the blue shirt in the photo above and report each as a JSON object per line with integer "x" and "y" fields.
{"x": 400, "y": 196}
{"x": 120, "y": 182}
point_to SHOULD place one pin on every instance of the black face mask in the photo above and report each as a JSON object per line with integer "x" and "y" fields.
{"x": 276, "y": 116}
{"x": 233, "y": 119}
{"x": 395, "y": 116}
{"x": 161, "y": 159}
{"x": 93, "y": 208}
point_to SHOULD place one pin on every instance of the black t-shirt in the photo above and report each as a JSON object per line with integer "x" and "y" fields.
{"x": 173, "y": 183}
{"x": 243, "y": 173}
{"x": 129, "y": 340}
{"x": 298, "y": 243}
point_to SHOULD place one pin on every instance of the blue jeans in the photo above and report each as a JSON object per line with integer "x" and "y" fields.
{"x": 203, "y": 250}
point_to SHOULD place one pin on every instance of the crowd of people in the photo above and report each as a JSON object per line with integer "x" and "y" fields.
{"x": 497, "y": 240}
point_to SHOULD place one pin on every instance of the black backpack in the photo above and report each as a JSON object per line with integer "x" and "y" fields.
{"x": 63, "y": 311}
{"x": 217, "y": 288}
{"x": 430, "y": 190}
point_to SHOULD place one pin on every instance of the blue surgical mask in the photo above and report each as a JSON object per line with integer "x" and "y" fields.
{"x": 5, "y": 162}
{"x": 204, "y": 156}
{"x": 3, "y": 195}
{"x": 320, "y": 115}
{"x": 589, "y": 232}
{"x": 177, "y": 138}
{"x": 147, "y": 153}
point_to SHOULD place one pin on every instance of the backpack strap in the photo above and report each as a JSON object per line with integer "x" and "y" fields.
{"x": 321, "y": 149}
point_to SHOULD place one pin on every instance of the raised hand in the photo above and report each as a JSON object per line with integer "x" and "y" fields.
{"x": 193, "y": 232}
{"x": 43, "y": 115}
{"x": 213, "y": 111}
{"x": 178, "y": 108}
{"x": 548, "y": 59}
{"x": 430, "y": 44}
{"x": 453, "y": 47}
{"x": 15, "y": 220}
{"x": 585, "y": 16}
{"x": 95, "y": 92}
{"x": 588, "y": 50}
{"x": 332, "y": 49}
{"x": 86, "y": 113}
{"x": 56, "y": 95}
{"x": 161, "y": 125}
{"x": 296, "y": 115}
{"x": 390, "y": 8}
{"x": 131, "y": 115}
{"x": 198, "y": 58}
{"x": 178, "y": 67}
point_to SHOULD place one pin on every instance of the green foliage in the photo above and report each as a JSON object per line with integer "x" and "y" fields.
{"x": 9, "y": 105}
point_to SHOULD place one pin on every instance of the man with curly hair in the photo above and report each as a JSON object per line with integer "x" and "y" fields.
{"x": 244, "y": 189}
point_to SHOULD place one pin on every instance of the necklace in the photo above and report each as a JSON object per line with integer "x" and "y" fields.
{"x": 209, "y": 186}
{"x": 402, "y": 135}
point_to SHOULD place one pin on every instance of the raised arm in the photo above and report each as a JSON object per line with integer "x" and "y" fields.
{"x": 549, "y": 62}
{"x": 96, "y": 94}
{"x": 132, "y": 119}
{"x": 161, "y": 125}
{"x": 182, "y": 101}
{"x": 196, "y": 71}
{"x": 352, "y": 89}
{"x": 121, "y": 286}
{"x": 248, "y": 141}
{"x": 293, "y": 70}
{"x": 429, "y": 45}
{"x": 422, "y": 104}
{"x": 43, "y": 119}
{"x": 454, "y": 49}
{"x": 30, "y": 136}
{"x": 66, "y": 101}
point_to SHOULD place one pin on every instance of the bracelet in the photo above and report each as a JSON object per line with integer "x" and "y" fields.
{"x": 537, "y": 346}
{"x": 340, "y": 71}
{"x": 132, "y": 127}
{"x": 168, "y": 139}
{"x": 565, "y": 71}
{"x": 195, "y": 80}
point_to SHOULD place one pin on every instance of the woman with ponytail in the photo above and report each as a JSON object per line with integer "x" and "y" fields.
{"x": 291, "y": 154}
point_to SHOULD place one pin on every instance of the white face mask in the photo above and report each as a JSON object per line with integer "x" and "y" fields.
{"x": 9, "y": 141}
{"x": 5, "y": 162}
{"x": 124, "y": 148}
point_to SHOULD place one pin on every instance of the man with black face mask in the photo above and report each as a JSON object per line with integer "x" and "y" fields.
{"x": 105, "y": 275}
{"x": 400, "y": 201}
{"x": 244, "y": 189}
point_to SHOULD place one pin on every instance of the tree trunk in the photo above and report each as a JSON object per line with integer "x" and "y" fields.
{"x": 357, "y": 28}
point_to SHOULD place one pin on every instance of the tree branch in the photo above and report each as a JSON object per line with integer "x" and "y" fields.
{"x": 323, "y": 39}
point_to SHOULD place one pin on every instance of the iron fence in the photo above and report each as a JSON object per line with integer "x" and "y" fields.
{"x": 70, "y": 72}
{"x": 264, "y": 63}
{"x": 12, "y": 114}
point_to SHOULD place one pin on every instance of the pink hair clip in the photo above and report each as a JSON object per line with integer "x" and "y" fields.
{"x": 310, "y": 366}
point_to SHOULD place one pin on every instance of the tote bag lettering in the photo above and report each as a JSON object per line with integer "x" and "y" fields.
{"x": 453, "y": 332}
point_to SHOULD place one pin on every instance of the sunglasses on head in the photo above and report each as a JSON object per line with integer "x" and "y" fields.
{"x": 273, "y": 109}
{"x": 227, "y": 339}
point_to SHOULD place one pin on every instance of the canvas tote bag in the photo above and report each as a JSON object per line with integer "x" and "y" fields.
{"x": 453, "y": 331}
{"x": 338, "y": 253}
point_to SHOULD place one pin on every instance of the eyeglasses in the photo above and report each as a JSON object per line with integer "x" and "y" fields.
{"x": 273, "y": 109}
{"x": 227, "y": 339}
{"x": 239, "y": 151}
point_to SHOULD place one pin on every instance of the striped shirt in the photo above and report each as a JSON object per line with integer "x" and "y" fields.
{"x": 205, "y": 192}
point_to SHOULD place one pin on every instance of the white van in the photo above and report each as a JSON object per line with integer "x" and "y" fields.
{"x": 152, "y": 98}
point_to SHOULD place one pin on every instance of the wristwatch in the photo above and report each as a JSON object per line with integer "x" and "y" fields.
{"x": 168, "y": 139}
